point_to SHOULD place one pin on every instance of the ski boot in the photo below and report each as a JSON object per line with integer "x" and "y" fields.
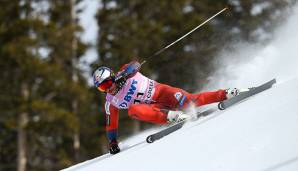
{"x": 232, "y": 92}
{"x": 177, "y": 116}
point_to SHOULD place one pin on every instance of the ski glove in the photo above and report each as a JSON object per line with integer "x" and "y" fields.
{"x": 114, "y": 148}
{"x": 120, "y": 82}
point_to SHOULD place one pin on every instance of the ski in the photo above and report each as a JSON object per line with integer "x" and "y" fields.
{"x": 174, "y": 127}
{"x": 229, "y": 102}
{"x": 222, "y": 105}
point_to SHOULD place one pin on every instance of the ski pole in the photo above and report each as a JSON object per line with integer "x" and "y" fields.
{"x": 163, "y": 49}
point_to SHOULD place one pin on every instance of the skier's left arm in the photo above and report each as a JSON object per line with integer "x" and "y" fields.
{"x": 128, "y": 70}
{"x": 131, "y": 68}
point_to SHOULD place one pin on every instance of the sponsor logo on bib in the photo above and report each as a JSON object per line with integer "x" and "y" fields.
{"x": 128, "y": 96}
{"x": 150, "y": 89}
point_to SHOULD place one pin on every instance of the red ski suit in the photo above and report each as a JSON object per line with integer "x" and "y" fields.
{"x": 164, "y": 98}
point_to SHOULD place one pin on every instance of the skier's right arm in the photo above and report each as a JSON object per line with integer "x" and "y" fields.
{"x": 112, "y": 117}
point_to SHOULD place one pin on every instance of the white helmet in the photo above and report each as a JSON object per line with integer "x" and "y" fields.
{"x": 101, "y": 75}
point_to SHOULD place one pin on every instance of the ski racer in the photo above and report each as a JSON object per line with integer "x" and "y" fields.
{"x": 146, "y": 99}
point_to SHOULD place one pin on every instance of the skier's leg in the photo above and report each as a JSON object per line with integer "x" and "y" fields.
{"x": 208, "y": 97}
{"x": 176, "y": 98}
{"x": 172, "y": 97}
{"x": 154, "y": 113}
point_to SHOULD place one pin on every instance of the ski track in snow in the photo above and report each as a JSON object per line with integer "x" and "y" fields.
{"x": 258, "y": 134}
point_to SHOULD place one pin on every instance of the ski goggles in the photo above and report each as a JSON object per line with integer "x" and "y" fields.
{"x": 105, "y": 85}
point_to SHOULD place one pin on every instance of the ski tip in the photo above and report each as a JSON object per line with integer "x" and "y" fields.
{"x": 274, "y": 80}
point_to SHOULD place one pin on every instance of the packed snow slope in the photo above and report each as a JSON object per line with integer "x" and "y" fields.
{"x": 259, "y": 134}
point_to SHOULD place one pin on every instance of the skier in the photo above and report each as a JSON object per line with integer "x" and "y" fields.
{"x": 146, "y": 99}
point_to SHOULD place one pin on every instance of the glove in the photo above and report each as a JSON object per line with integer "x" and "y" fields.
{"x": 114, "y": 148}
{"x": 120, "y": 82}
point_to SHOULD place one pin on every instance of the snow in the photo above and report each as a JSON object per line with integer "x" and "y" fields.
{"x": 259, "y": 134}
